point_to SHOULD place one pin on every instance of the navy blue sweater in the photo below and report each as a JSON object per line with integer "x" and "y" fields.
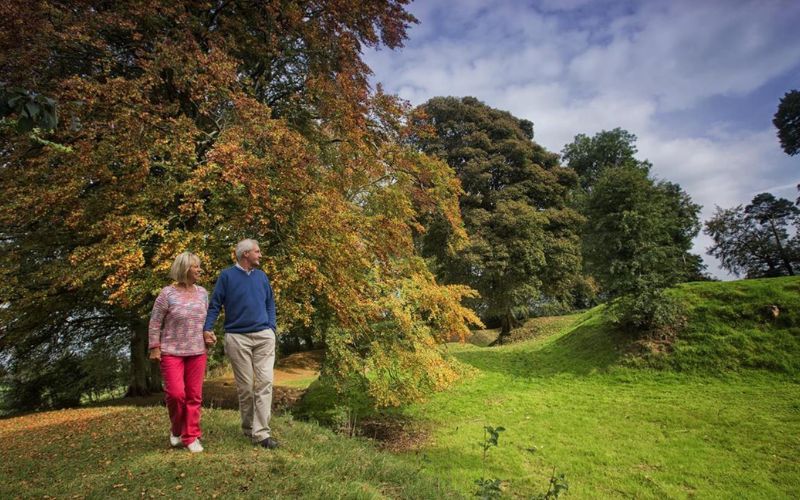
{"x": 247, "y": 299}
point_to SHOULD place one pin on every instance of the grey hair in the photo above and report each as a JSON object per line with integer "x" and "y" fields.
{"x": 181, "y": 265}
{"x": 244, "y": 246}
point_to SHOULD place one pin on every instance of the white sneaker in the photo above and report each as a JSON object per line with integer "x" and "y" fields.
{"x": 174, "y": 441}
{"x": 195, "y": 446}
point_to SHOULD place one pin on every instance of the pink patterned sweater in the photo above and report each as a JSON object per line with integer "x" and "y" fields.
{"x": 176, "y": 323}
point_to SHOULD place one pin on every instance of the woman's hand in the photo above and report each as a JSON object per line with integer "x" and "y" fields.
{"x": 155, "y": 354}
{"x": 209, "y": 338}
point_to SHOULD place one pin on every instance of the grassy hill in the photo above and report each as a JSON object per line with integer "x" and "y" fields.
{"x": 714, "y": 412}
{"x": 739, "y": 325}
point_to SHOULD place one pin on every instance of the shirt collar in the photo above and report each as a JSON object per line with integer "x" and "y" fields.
{"x": 243, "y": 269}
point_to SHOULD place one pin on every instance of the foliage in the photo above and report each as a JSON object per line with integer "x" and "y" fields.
{"x": 523, "y": 242}
{"x": 196, "y": 124}
{"x": 66, "y": 380}
{"x": 489, "y": 488}
{"x": 31, "y": 109}
{"x": 556, "y": 487}
{"x": 591, "y": 156}
{"x": 754, "y": 241}
{"x": 652, "y": 308}
{"x": 636, "y": 241}
{"x": 787, "y": 121}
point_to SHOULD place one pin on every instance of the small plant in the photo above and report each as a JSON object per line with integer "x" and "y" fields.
{"x": 558, "y": 485}
{"x": 489, "y": 487}
{"x": 491, "y": 440}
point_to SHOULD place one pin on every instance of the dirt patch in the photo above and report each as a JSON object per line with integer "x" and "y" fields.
{"x": 309, "y": 360}
{"x": 222, "y": 394}
{"x": 220, "y": 390}
{"x": 395, "y": 434}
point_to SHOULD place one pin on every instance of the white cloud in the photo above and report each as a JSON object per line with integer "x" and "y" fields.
{"x": 581, "y": 67}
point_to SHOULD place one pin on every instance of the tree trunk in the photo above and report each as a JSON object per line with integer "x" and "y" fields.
{"x": 507, "y": 323}
{"x": 782, "y": 253}
{"x": 145, "y": 374}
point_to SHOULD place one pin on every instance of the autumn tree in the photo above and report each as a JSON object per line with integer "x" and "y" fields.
{"x": 754, "y": 241}
{"x": 189, "y": 125}
{"x": 787, "y": 121}
{"x": 523, "y": 242}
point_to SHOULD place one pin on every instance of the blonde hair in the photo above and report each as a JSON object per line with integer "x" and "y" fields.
{"x": 180, "y": 268}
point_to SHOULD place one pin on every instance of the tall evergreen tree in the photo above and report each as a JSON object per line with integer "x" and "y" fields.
{"x": 754, "y": 240}
{"x": 787, "y": 121}
{"x": 523, "y": 241}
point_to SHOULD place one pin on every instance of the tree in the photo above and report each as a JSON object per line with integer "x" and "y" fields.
{"x": 787, "y": 121}
{"x": 195, "y": 124}
{"x": 523, "y": 242}
{"x": 776, "y": 214}
{"x": 753, "y": 241}
{"x": 590, "y": 156}
{"x": 639, "y": 231}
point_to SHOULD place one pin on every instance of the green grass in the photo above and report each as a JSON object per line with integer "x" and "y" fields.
{"x": 730, "y": 328}
{"x": 123, "y": 452}
{"x": 300, "y": 383}
{"x": 719, "y": 417}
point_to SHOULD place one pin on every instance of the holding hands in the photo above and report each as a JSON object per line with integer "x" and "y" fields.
{"x": 155, "y": 354}
{"x": 209, "y": 338}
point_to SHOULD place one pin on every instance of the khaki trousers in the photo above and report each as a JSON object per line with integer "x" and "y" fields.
{"x": 252, "y": 357}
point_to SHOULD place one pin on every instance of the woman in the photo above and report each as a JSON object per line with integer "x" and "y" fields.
{"x": 176, "y": 340}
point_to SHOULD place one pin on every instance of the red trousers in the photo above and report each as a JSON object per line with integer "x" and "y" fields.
{"x": 183, "y": 388}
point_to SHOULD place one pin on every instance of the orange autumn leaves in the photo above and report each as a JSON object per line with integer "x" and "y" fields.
{"x": 192, "y": 128}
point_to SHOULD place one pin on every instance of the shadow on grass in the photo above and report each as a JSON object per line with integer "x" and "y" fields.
{"x": 589, "y": 347}
{"x": 124, "y": 452}
{"x": 216, "y": 394}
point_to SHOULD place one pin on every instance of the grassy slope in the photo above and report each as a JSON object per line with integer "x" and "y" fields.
{"x": 704, "y": 424}
{"x": 730, "y": 328}
{"x": 122, "y": 452}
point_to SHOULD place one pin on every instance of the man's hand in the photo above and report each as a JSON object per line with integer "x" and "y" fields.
{"x": 155, "y": 354}
{"x": 209, "y": 338}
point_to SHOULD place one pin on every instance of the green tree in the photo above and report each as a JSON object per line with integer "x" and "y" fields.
{"x": 590, "y": 156}
{"x": 754, "y": 241}
{"x": 523, "y": 241}
{"x": 638, "y": 230}
{"x": 787, "y": 121}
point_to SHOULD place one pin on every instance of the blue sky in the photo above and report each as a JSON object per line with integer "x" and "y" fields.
{"x": 697, "y": 81}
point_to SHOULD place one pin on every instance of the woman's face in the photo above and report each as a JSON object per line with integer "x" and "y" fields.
{"x": 194, "y": 273}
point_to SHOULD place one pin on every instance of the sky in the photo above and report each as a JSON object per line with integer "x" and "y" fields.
{"x": 697, "y": 82}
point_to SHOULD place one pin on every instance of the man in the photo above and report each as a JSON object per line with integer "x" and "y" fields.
{"x": 250, "y": 327}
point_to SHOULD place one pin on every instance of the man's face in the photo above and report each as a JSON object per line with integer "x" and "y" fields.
{"x": 253, "y": 256}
